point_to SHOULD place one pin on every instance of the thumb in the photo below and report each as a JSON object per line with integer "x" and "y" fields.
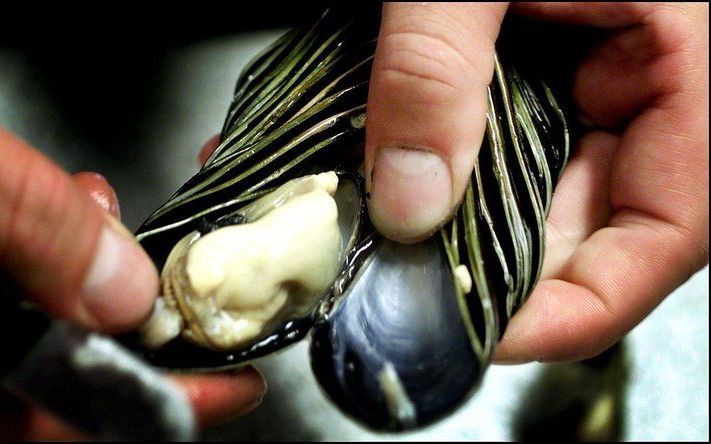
{"x": 427, "y": 111}
{"x": 69, "y": 256}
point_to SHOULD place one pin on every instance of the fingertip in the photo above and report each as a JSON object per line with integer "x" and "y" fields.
{"x": 122, "y": 282}
{"x": 249, "y": 376}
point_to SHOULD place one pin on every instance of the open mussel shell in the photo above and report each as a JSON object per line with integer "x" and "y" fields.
{"x": 298, "y": 109}
{"x": 395, "y": 353}
{"x": 184, "y": 355}
{"x": 406, "y": 332}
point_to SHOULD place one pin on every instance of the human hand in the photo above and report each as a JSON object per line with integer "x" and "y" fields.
{"x": 63, "y": 244}
{"x": 629, "y": 219}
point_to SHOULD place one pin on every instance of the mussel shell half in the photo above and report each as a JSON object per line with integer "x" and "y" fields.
{"x": 298, "y": 109}
{"x": 404, "y": 343}
{"x": 394, "y": 353}
{"x": 183, "y": 355}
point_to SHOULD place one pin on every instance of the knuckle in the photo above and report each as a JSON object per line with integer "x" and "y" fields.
{"x": 428, "y": 63}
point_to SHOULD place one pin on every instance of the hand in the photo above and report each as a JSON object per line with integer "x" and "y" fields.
{"x": 629, "y": 219}
{"x": 61, "y": 240}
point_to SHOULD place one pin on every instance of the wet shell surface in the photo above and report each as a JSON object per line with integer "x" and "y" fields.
{"x": 400, "y": 334}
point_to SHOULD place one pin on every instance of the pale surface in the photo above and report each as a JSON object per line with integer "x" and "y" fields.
{"x": 667, "y": 398}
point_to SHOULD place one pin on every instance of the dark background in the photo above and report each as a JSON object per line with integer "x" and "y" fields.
{"x": 99, "y": 63}
{"x": 89, "y": 92}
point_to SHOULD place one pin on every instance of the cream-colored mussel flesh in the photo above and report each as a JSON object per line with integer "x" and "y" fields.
{"x": 227, "y": 288}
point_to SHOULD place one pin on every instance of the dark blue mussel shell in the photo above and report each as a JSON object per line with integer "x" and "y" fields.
{"x": 400, "y": 311}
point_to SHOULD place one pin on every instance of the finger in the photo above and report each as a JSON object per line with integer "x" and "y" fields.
{"x": 626, "y": 74}
{"x": 220, "y": 397}
{"x": 426, "y": 111}
{"x": 68, "y": 256}
{"x": 611, "y": 283}
{"x": 657, "y": 236}
{"x": 637, "y": 65}
{"x": 581, "y": 202}
{"x": 98, "y": 188}
{"x": 207, "y": 149}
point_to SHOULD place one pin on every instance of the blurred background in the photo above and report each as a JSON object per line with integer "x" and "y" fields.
{"x": 134, "y": 94}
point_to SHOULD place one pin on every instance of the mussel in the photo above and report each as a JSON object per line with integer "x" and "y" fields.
{"x": 400, "y": 334}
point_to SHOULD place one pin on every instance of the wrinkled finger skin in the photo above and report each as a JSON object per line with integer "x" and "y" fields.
{"x": 643, "y": 231}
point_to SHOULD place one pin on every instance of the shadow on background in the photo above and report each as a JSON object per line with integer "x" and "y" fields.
{"x": 576, "y": 401}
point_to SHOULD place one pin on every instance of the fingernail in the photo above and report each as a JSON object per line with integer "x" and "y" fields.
{"x": 99, "y": 189}
{"x": 122, "y": 282}
{"x": 411, "y": 193}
